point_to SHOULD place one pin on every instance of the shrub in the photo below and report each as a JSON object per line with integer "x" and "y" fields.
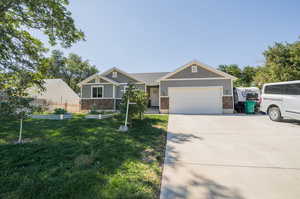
{"x": 59, "y": 111}
{"x": 93, "y": 110}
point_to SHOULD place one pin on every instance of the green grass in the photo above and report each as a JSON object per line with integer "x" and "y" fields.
{"x": 81, "y": 158}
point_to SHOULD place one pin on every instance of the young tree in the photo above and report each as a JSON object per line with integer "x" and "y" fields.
{"x": 139, "y": 100}
{"x": 14, "y": 107}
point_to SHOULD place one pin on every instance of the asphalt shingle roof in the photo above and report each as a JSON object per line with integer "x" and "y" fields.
{"x": 149, "y": 78}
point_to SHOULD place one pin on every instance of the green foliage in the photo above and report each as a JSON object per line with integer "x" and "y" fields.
{"x": 136, "y": 96}
{"x": 245, "y": 76}
{"x": 282, "y": 64}
{"x": 94, "y": 110}
{"x": 71, "y": 69}
{"x": 81, "y": 158}
{"x": 22, "y": 55}
{"x": 59, "y": 111}
{"x": 15, "y": 105}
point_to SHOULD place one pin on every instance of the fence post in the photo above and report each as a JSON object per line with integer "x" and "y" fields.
{"x": 61, "y": 116}
{"x": 99, "y": 116}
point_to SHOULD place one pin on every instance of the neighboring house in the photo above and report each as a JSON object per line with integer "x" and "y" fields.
{"x": 57, "y": 94}
{"x": 194, "y": 88}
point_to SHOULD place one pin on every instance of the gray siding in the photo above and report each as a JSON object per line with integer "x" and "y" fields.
{"x": 121, "y": 78}
{"x": 120, "y": 89}
{"x": 226, "y": 83}
{"x": 108, "y": 90}
{"x": 187, "y": 73}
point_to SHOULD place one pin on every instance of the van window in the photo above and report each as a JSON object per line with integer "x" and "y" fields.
{"x": 292, "y": 89}
{"x": 283, "y": 89}
{"x": 274, "y": 89}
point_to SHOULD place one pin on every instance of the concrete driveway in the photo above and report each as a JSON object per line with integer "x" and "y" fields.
{"x": 231, "y": 157}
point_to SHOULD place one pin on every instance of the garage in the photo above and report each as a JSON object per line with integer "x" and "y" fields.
{"x": 195, "y": 100}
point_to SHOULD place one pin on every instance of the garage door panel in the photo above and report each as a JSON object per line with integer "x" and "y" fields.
{"x": 195, "y": 100}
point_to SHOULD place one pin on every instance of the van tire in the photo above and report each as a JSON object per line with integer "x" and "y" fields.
{"x": 275, "y": 114}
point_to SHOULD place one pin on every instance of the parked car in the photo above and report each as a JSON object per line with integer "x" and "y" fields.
{"x": 281, "y": 100}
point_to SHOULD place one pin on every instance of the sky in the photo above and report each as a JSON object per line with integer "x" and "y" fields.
{"x": 162, "y": 35}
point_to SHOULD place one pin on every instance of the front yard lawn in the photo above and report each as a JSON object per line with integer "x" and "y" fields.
{"x": 80, "y": 158}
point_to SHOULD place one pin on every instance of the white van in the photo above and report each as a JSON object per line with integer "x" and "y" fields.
{"x": 281, "y": 100}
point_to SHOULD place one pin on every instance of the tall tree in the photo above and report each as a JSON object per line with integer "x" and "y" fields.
{"x": 20, "y": 52}
{"x": 247, "y": 76}
{"x": 282, "y": 63}
{"x": 71, "y": 69}
{"x": 234, "y": 70}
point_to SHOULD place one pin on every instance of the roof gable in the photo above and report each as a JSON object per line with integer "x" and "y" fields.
{"x": 149, "y": 78}
{"x": 203, "y": 71}
{"x": 122, "y": 77}
{"x": 96, "y": 78}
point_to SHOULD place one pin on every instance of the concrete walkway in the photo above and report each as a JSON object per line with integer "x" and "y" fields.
{"x": 231, "y": 157}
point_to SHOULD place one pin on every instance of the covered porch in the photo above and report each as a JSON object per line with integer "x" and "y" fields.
{"x": 153, "y": 96}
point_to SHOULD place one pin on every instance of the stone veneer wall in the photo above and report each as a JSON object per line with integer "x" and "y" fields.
{"x": 164, "y": 103}
{"x": 101, "y": 104}
{"x": 227, "y": 102}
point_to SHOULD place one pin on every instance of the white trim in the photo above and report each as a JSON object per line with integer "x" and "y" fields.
{"x": 232, "y": 94}
{"x": 85, "y": 82}
{"x": 99, "y": 86}
{"x": 228, "y": 95}
{"x": 97, "y": 83}
{"x": 114, "y": 74}
{"x": 195, "y": 62}
{"x": 100, "y": 98}
{"x": 159, "y": 95}
{"x": 208, "y": 78}
{"x": 120, "y": 71}
{"x": 114, "y": 90}
{"x": 164, "y": 96}
{"x": 132, "y": 83}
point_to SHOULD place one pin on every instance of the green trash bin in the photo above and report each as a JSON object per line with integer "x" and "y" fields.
{"x": 250, "y": 107}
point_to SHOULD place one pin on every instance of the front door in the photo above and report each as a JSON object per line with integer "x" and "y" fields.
{"x": 154, "y": 96}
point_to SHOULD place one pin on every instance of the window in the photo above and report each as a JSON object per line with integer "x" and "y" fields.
{"x": 97, "y": 92}
{"x": 283, "y": 89}
{"x": 114, "y": 74}
{"x": 274, "y": 89}
{"x": 292, "y": 89}
{"x": 194, "y": 69}
{"x": 124, "y": 89}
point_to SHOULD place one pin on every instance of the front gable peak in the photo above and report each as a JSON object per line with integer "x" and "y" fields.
{"x": 194, "y": 70}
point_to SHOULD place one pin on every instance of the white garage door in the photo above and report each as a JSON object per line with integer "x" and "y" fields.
{"x": 195, "y": 100}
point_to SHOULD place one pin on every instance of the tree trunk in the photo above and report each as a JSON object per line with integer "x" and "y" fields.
{"x": 21, "y": 128}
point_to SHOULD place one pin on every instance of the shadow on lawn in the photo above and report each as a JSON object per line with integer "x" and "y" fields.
{"x": 45, "y": 168}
